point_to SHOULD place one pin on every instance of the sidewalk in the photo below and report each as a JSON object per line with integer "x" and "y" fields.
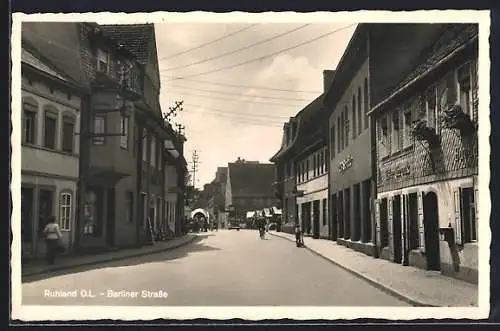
{"x": 416, "y": 286}
{"x": 68, "y": 262}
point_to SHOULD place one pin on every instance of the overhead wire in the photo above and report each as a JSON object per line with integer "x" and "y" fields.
{"x": 237, "y": 50}
{"x": 236, "y": 100}
{"x": 264, "y": 56}
{"x": 257, "y": 116}
{"x": 245, "y": 86}
{"x": 209, "y": 42}
{"x": 241, "y": 94}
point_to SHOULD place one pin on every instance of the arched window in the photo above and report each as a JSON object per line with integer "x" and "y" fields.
{"x": 65, "y": 211}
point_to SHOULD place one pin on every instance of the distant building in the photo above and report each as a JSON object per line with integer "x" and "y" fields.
{"x": 249, "y": 187}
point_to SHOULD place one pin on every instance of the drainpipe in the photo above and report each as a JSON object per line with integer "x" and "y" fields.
{"x": 83, "y": 164}
{"x": 138, "y": 185}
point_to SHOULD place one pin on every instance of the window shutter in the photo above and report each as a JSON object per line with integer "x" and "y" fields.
{"x": 458, "y": 216}
{"x": 404, "y": 221}
{"x": 389, "y": 221}
{"x": 421, "y": 229}
{"x": 377, "y": 221}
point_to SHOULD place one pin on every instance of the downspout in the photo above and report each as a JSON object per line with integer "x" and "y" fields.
{"x": 373, "y": 146}
{"x": 83, "y": 164}
{"x": 138, "y": 161}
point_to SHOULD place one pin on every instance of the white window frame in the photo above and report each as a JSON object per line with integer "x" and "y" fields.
{"x": 99, "y": 118}
{"x": 102, "y": 56}
{"x": 124, "y": 130}
{"x": 65, "y": 210}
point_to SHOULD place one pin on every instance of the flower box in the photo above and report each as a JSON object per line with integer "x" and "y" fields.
{"x": 455, "y": 118}
{"x": 422, "y": 132}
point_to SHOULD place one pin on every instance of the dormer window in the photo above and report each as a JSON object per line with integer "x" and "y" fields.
{"x": 102, "y": 61}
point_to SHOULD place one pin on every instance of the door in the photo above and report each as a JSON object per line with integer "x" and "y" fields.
{"x": 110, "y": 217}
{"x": 46, "y": 209}
{"x": 27, "y": 195}
{"x": 316, "y": 219}
{"x": 431, "y": 231}
{"x": 396, "y": 228}
{"x": 333, "y": 217}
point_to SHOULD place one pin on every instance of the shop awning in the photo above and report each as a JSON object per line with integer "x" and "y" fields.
{"x": 267, "y": 212}
{"x": 250, "y": 214}
{"x": 276, "y": 211}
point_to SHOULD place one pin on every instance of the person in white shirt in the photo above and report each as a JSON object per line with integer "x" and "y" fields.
{"x": 53, "y": 236}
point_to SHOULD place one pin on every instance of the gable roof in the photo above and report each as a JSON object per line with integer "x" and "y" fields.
{"x": 450, "y": 41}
{"x": 306, "y": 122}
{"x": 251, "y": 180}
{"x": 134, "y": 37}
{"x": 32, "y": 58}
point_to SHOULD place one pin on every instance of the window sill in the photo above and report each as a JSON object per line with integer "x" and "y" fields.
{"x": 48, "y": 149}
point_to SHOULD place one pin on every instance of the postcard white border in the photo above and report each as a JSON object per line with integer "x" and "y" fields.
{"x": 33, "y": 313}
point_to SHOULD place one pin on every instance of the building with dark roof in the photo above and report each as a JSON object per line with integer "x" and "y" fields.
{"x": 302, "y": 168}
{"x": 50, "y": 111}
{"x": 376, "y": 59}
{"x": 125, "y": 144}
{"x": 249, "y": 187}
{"x": 427, "y": 159}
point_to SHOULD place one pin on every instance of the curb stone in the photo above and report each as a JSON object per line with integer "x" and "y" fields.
{"x": 111, "y": 259}
{"x": 375, "y": 283}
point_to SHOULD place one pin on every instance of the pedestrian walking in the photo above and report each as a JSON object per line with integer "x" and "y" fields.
{"x": 299, "y": 236}
{"x": 53, "y": 237}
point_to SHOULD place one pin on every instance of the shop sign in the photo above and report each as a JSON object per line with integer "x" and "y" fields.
{"x": 344, "y": 165}
{"x": 398, "y": 172}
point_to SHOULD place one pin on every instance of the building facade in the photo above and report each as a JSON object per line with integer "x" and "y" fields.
{"x": 363, "y": 77}
{"x": 285, "y": 185}
{"x": 123, "y": 134}
{"x": 427, "y": 160}
{"x": 51, "y": 106}
{"x": 249, "y": 187}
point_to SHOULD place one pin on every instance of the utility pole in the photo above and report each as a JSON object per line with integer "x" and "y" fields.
{"x": 195, "y": 161}
{"x": 173, "y": 111}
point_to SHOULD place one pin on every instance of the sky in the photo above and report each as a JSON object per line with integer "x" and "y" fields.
{"x": 222, "y": 121}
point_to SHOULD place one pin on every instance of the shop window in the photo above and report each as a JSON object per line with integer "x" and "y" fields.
{"x": 27, "y": 204}
{"x": 324, "y": 215}
{"x": 384, "y": 223}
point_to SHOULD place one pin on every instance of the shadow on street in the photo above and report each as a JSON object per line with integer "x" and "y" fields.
{"x": 196, "y": 245}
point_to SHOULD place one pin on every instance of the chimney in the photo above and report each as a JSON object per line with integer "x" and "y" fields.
{"x": 327, "y": 79}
